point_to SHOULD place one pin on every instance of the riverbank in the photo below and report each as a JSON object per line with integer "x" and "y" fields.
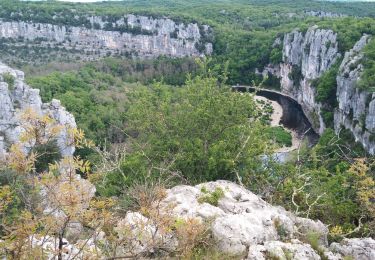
{"x": 275, "y": 120}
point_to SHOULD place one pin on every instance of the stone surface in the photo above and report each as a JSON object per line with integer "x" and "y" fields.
{"x": 130, "y": 35}
{"x": 356, "y": 107}
{"x": 359, "y": 249}
{"x": 241, "y": 223}
{"x": 280, "y": 250}
{"x": 311, "y": 53}
{"x": 241, "y": 218}
{"x": 18, "y": 97}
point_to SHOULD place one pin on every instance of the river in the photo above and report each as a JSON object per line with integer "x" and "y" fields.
{"x": 288, "y": 113}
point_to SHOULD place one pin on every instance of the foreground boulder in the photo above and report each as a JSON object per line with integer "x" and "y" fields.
{"x": 239, "y": 219}
{"x": 241, "y": 225}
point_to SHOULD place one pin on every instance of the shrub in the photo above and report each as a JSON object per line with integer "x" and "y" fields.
{"x": 295, "y": 74}
{"x": 280, "y": 136}
{"x": 211, "y": 198}
{"x": 9, "y": 79}
{"x": 47, "y": 153}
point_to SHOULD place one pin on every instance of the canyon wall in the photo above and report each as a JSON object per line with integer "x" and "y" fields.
{"x": 130, "y": 35}
{"x": 306, "y": 57}
{"x": 356, "y": 107}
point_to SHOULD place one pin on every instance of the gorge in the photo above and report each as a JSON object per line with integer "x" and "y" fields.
{"x": 307, "y": 57}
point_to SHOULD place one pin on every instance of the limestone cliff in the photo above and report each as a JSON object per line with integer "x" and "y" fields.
{"x": 356, "y": 107}
{"x": 130, "y": 35}
{"x": 306, "y": 56}
{"x": 16, "y": 97}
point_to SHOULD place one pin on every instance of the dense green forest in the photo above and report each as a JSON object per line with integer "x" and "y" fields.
{"x": 244, "y": 31}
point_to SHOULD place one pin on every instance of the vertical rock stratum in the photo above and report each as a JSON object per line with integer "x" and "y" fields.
{"x": 306, "y": 57}
{"x": 16, "y": 99}
{"x": 356, "y": 107}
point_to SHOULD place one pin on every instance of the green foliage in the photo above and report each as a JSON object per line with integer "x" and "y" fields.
{"x": 276, "y": 55}
{"x": 280, "y": 136}
{"x": 47, "y": 153}
{"x": 272, "y": 82}
{"x": 367, "y": 81}
{"x": 313, "y": 240}
{"x": 281, "y": 230}
{"x": 9, "y": 79}
{"x": 295, "y": 74}
{"x": 96, "y": 93}
{"x": 326, "y": 86}
{"x": 201, "y": 131}
{"x": 211, "y": 197}
{"x": 328, "y": 117}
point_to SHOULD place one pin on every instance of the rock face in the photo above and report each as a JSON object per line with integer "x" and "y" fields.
{"x": 16, "y": 97}
{"x": 241, "y": 219}
{"x": 305, "y": 58}
{"x": 280, "y": 250}
{"x": 356, "y": 107}
{"x": 130, "y": 35}
{"x": 242, "y": 224}
{"x": 323, "y": 14}
{"x": 359, "y": 249}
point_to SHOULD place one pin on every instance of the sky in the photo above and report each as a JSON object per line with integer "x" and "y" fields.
{"x": 77, "y": 1}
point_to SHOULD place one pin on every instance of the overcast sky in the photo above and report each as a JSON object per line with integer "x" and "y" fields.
{"x": 81, "y": 1}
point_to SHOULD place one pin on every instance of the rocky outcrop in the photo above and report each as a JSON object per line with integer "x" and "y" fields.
{"x": 306, "y": 56}
{"x": 241, "y": 219}
{"x": 280, "y": 250}
{"x": 130, "y": 35}
{"x": 323, "y": 14}
{"x": 240, "y": 222}
{"x": 356, "y": 107}
{"x": 359, "y": 249}
{"x": 16, "y": 99}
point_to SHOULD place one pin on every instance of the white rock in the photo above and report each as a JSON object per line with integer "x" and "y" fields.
{"x": 358, "y": 248}
{"x": 280, "y": 250}
{"x": 100, "y": 41}
{"x": 241, "y": 218}
{"x": 356, "y": 107}
{"x": 13, "y": 102}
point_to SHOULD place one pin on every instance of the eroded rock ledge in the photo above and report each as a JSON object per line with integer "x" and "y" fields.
{"x": 130, "y": 35}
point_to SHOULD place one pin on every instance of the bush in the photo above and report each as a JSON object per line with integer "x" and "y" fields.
{"x": 295, "y": 74}
{"x": 280, "y": 136}
{"x": 326, "y": 86}
{"x": 211, "y": 197}
{"x": 9, "y": 79}
{"x": 47, "y": 153}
